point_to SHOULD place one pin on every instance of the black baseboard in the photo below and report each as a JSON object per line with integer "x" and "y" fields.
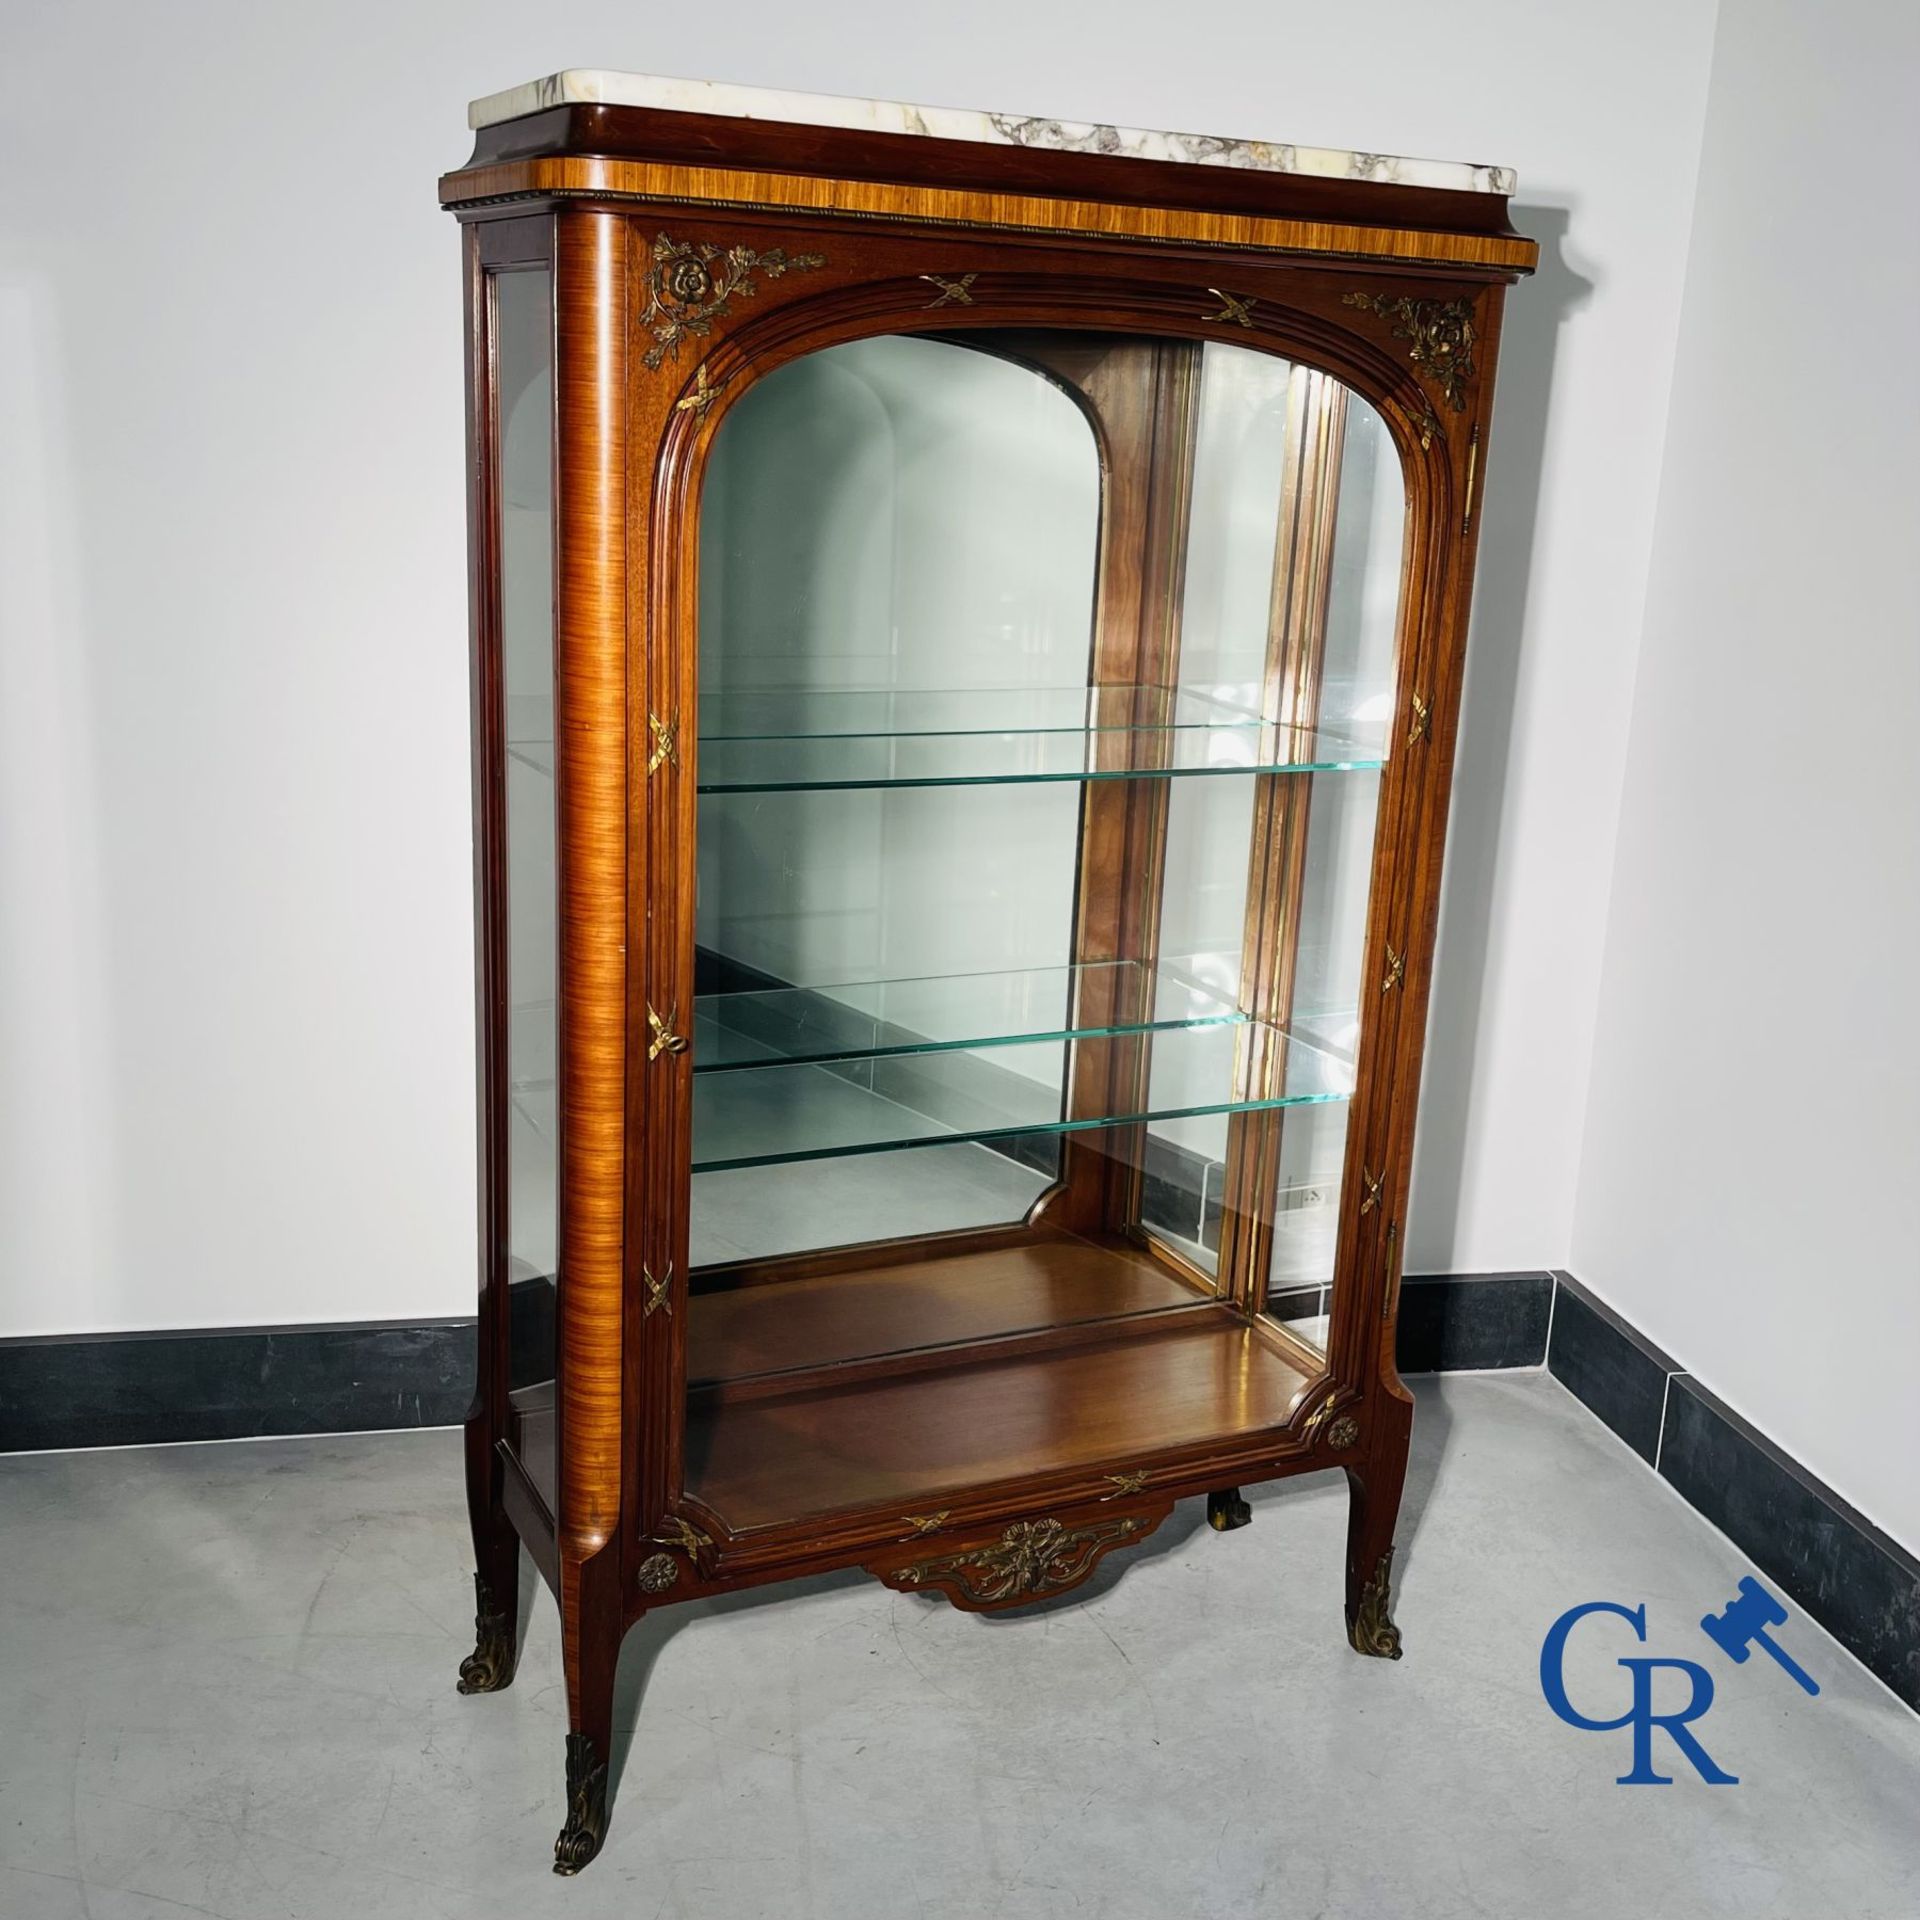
{"x": 138, "y": 1389}
{"x": 245, "y": 1383}
{"x": 1452, "y": 1322}
{"x": 1826, "y": 1557}
{"x": 1611, "y": 1368}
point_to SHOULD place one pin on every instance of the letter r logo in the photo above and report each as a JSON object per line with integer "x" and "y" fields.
{"x": 1640, "y": 1713}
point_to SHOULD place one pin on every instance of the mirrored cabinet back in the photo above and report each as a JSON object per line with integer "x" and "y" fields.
{"x": 967, "y": 624}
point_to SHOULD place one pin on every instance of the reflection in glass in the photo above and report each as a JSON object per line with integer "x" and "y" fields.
{"x": 898, "y": 546}
{"x": 854, "y": 1020}
{"x": 867, "y": 1306}
{"x": 1329, "y": 997}
{"x": 1239, "y": 444}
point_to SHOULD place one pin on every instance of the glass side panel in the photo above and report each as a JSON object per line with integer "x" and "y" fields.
{"x": 1356, "y": 690}
{"x": 852, "y": 1020}
{"x": 758, "y": 1116}
{"x": 523, "y": 360}
{"x": 1328, "y": 998}
{"x": 1239, "y": 450}
{"x": 1203, "y": 904}
{"x": 1240, "y": 446}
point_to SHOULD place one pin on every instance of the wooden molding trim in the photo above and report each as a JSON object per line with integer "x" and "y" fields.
{"x": 949, "y": 206}
{"x": 590, "y": 539}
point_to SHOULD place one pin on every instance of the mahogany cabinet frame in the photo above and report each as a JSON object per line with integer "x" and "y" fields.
{"x": 644, "y": 221}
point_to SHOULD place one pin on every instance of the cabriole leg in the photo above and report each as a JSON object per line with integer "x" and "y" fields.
{"x": 590, "y": 1631}
{"x": 496, "y": 1581}
{"x": 586, "y": 1829}
{"x": 496, "y": 1628}
{"x": 1373, "y": 1489}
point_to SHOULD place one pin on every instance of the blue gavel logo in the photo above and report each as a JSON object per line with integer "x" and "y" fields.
{"x": 1743, "y": 1625}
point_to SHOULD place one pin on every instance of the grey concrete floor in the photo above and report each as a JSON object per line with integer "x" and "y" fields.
{"x": 226, "y": 1688}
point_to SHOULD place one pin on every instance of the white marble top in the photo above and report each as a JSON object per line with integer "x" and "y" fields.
{"x": 591, "y": 87}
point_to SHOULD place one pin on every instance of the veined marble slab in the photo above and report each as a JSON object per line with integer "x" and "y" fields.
{"x": 589, "y": 86}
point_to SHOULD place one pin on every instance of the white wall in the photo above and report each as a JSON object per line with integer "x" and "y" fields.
{"x": 1754, "y": 1132}
{"x": 235, "y": 1052}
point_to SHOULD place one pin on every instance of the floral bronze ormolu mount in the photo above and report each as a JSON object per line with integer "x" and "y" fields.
{"x": 1023, "y": 570}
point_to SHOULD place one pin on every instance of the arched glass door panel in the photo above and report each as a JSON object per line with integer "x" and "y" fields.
{"x": 1044, "y": 689}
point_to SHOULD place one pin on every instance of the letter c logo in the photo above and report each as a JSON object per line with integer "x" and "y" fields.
{"x": 1553, "y": 1654}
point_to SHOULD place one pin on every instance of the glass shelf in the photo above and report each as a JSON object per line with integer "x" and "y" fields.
{"x": 776, "y": 1115}
{"x": 787, "y": 740}
{"x": 882, "y": 1018}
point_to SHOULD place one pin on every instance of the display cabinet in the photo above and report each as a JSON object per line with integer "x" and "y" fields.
{"x": 967, "y": 636}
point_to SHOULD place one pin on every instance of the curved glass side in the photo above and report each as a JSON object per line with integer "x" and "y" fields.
{"x": 1331, "y": 885}
{"x": 521, "y": 317}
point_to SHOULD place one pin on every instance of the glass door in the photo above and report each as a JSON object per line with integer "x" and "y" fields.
{"x": 1045, "y": 680}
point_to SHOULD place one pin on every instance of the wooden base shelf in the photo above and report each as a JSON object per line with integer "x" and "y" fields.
{"x": 996, "y": 1412}
{"x": 838, "y": 1392}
